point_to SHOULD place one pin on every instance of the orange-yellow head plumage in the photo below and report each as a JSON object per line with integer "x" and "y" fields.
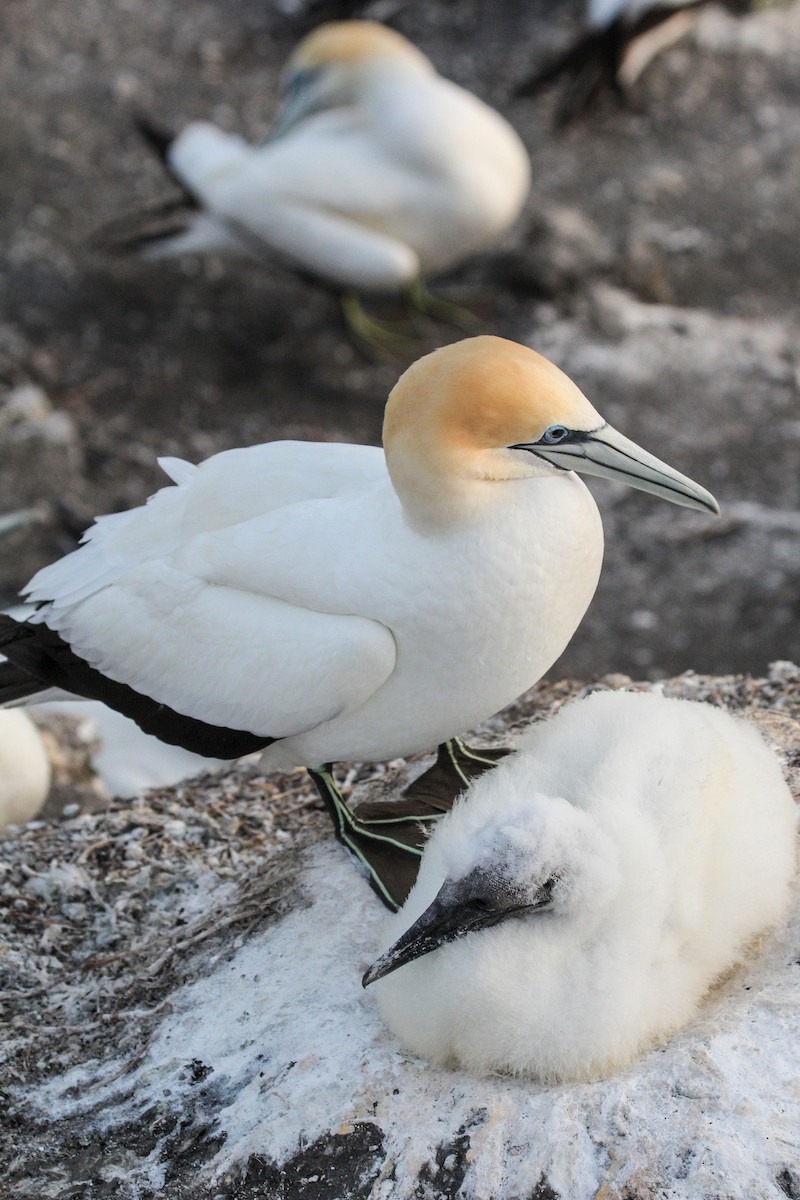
{"x": 486, "y": 411}
{"x": 352, "y": 43}
{"x": 452, "y": 415}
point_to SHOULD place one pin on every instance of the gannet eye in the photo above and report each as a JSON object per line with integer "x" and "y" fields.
{"x": 482, "y": 904}
{"x": 556, "y": 433}
{"x": 298, "y": 81}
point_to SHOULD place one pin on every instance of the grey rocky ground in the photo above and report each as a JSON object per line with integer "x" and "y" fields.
{"x": 657, "y": 260}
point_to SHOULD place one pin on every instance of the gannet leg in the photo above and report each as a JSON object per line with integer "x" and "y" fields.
{"x": 424, "y": 301}
{"x": 377, "y": 339}
{"x": 387, "y": 338}
{"x": 388, "y": 836}
{"x": 457, "y": 764}
{"x": 390, "y": 861}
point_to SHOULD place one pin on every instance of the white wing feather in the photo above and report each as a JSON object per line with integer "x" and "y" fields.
{"x": 339, "y": 221}
{"x": 229, "y": 657}
{"x": 225, "y": 490}
{"x": 178, "y": 469}
{"x": 234, "y": 658}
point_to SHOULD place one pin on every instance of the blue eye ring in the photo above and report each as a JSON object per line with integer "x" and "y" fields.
{"x": 555, "y": 434}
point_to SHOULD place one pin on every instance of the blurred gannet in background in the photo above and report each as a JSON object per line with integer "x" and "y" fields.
{"x": 580, "y": 900}
{"x": 622, "y": 37}
{"x": 379, "y": 173}
{"x": 321, "y": 601}
{"x": 24, "y": 769}
{"x": 127, "y": 761}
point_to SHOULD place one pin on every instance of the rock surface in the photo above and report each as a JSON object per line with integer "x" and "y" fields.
{"x": 184, "y": 1018}
{"x": 657, "y": 261}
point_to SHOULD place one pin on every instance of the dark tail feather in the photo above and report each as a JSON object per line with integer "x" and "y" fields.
{"x": 156, "y": 223}
{"x": 40, "y": 656}
{"x": 15, "y": 682}
{"x": 158, "y": 139}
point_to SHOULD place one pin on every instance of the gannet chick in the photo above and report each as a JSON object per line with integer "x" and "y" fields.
{"x": 24, "y": 769}
{"x": 325, "y": 602}
{"x": 621, "y": 38}
{"x": 577, "y": 904}
{"x": 378, "y": 173}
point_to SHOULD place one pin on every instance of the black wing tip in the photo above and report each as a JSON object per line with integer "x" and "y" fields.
{"x": 16, "y": 685}
{"x": 15, "y": 682}
{"x": 42, "y": 659}
{"x": 158, "y": 222}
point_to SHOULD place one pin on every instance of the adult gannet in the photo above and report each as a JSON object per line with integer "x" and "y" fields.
{"x": 24, "y": 769}
{"x": 580, "y": 900}
{"x": 324, "y": 602}
{"x": 621, "y": 38}
{"x": 378, "y": 173}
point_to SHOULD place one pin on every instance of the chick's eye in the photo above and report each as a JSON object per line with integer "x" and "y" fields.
{"x": 556, "y": 433}
{"x": 482, "y": 904}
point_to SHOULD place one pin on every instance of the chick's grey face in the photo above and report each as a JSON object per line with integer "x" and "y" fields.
{"x": 478, "y": 900}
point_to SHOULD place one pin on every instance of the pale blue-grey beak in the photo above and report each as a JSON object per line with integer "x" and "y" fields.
{"x": 604, "y": 451}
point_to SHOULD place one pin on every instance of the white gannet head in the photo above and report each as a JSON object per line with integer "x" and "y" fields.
{"x": 486, "y": 410}
{"x": 539, "y": 855}
{"x": 332, "y": 66}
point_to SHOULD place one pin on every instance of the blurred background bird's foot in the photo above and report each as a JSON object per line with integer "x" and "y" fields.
{"x": 378, "y": 340}
{"x": 438, "y": 308}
